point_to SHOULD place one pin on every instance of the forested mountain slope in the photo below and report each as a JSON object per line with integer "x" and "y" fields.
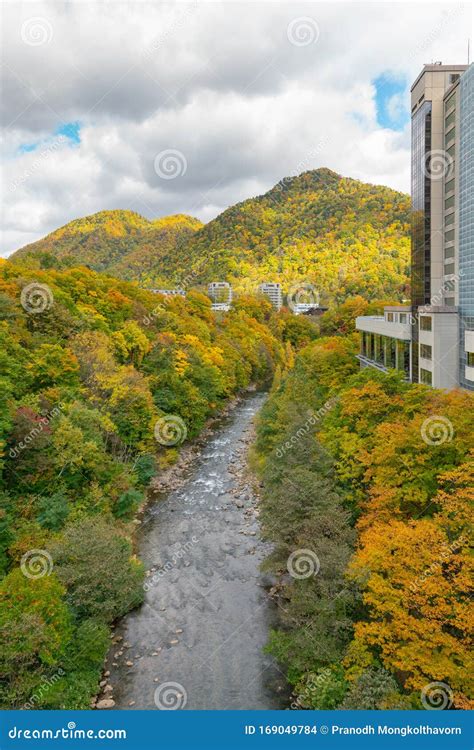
{"x": 340, "y": 235}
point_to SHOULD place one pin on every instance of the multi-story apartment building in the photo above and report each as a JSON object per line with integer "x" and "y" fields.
{"x": 428, "y": 339}
{"x": 220, "y": 293}
{"x": 273, "y": 292}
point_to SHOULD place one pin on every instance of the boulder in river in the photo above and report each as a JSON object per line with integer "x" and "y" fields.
{"x": 105, "y": 703}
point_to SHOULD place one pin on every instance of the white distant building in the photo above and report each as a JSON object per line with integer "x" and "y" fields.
{"x": 299, "y": 308}
{"x": 220, "y": 293}
{"x": 169, "y": 292}
{"x": 273, "y": 292}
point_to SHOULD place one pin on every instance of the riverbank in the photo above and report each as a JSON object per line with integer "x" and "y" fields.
{"x": 206, "y": 615}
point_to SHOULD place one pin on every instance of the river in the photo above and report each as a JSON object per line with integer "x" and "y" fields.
{"x": 196, "y": 642}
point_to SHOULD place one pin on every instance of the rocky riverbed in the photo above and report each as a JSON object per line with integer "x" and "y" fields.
{"x": 197, "y": 641}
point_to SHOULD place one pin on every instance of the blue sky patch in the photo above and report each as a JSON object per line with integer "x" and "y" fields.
{"x": 70, "y": 130}
{"x": 391, "y": 101}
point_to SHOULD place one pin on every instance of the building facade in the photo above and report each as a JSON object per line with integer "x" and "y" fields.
{"x": 466, "y": 230}
{"x": 220, "y": 293}
{"x": 441, "y": 312}
{"x": 273, "y": 292}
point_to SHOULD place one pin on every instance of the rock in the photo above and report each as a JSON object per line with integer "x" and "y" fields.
{"x": 108, "y": 689}
{"x": 268, "y": 581}
{"x": 131, "y": 703}
{"x": 114, "y": 664}
{"x": 129, "y": 663}
{"x": 156, "y": 679}
{"x": 179, "y": 630}
{"x": 107, "y": 674}
{"x": 174, "y": 641}
{"x": 103, "y": 683}
{"x": 106, "y": 703}
{"x": 156, "y": 653}
{"x": 239, "y": 503}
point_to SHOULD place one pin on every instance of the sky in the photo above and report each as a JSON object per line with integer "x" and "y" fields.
{"x": 189, "y": 107}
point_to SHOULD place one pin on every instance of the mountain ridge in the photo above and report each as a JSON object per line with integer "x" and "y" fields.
{"x": 343, "y": 235}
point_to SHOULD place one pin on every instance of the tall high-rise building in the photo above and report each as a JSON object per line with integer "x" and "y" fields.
{"x": 442, "y": 292}
{"x": 466, "y": 230}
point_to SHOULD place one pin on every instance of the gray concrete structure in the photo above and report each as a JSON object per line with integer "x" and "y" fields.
{"x": 442, "y": 275}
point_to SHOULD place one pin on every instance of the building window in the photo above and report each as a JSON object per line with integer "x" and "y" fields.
{"x": 403, "y": 317}
{"x": 449, "y": 186}
{"x": 470, "y": 359}
{"x": 449, "y": 301}
{"x": 449, "y": 136}
{"x": 449, "y": 219}
{"x": 451, "y": 151}
{"x": 450, "y": 102}
{"x": 425, "y": 323}
{"x": 449, "y": 236}
{"x": 425, "y": 351}
{"x": 390, "y": 317}
{"x": 449, "y": 252}
{"x": 448, "y": 269}
{"x": 449, "y": 120}
{"x": 426, "y": 377}
{"x": 449, "y": 203}
{"x": 390, "y": 356}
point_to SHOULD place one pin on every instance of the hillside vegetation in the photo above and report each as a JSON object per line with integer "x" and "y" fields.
{"x": 100, "y": 384}
{"x": 367, "y": 497}
{"x": 121, "y": 243}
{"x": 340, "y": 235}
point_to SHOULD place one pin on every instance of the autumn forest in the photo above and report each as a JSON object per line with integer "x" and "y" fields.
{"x": 103, "y": 383}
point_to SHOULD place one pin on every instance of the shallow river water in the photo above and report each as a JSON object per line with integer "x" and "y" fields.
{"x": 197, "y": 640}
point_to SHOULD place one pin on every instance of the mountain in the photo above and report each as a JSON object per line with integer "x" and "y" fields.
{"x": 122, "y": 243}
{"x": 339, "y": 234}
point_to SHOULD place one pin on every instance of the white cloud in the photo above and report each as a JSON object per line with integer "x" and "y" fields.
{"x": 219, "y": 82}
